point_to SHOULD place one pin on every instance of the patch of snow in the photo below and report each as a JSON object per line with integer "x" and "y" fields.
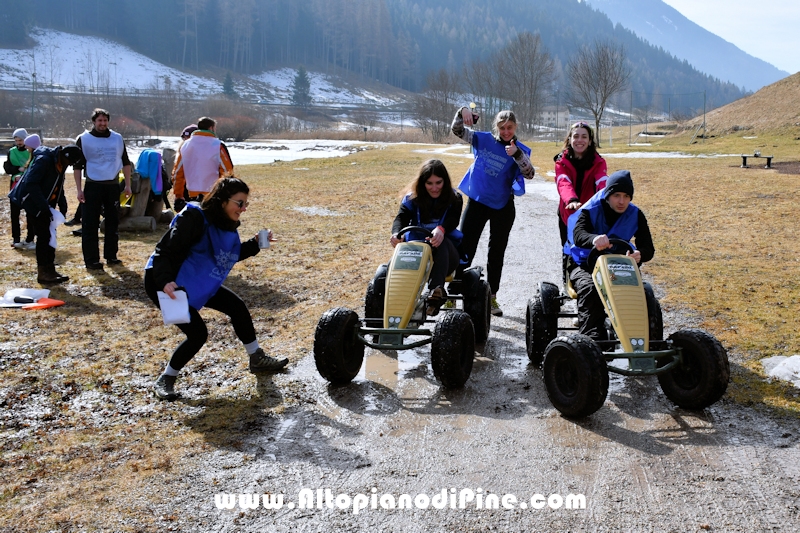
{"x": 317, "y": 211}
{"x": 64, "y": 62}
{"x": 783, "y": 367}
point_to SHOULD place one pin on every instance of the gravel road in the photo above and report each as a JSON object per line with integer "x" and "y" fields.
{"x": 641, "y": 463}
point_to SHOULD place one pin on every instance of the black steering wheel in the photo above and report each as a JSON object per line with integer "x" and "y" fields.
{"x": 618, "y": 246}
{"x": 409, "y": 229}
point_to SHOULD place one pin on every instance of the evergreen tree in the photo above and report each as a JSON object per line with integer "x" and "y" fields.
{"x": 227, "y": 86}
{"x": 301, "y": 88}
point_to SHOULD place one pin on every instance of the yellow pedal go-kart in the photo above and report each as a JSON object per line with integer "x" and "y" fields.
{"x": 395, "y": 309}
{"x": 691, "y": 365}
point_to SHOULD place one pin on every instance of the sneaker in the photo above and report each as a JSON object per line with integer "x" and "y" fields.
{"x": 496, "y": 311}
{"x": 261, "y": 362}
{"x": 28, "y": 245}
{"x": 17, "y": 245}
{"x": 164, "y": 387}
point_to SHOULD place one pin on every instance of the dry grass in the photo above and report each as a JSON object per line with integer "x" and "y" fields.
{"x": 81, "y": 429}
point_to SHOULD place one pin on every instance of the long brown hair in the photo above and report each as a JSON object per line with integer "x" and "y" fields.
{"x": 590, "y": 150}
{"x": 419, "y": 194}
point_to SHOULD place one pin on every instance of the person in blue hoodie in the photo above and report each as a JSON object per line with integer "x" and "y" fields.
{"x": 607, "y": 215}
{"x": 197, "y": 253}
{"x": 495, "y": 177}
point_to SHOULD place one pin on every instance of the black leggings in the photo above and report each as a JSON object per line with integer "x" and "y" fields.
{"x": 473, "y": 220}
{"x": 225, "y": 301}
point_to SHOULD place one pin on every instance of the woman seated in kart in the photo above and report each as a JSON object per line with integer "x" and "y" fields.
{"x": 432, "y": 203}
{"x": 608, "y": 214}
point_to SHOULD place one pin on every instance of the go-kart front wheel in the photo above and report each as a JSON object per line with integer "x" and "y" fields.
{"x": 703, "y": 377}
{"x": 540, "y": 328}
{"x": 575, "y": 375}
{"x": 338, "y": 352}
{"x": 453, "y": 349}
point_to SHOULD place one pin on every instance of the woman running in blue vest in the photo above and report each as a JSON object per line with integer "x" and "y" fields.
{"x": 495, "y": 177}
{"x": 432, "y": 203}
{"x": 607, "y": 215}
{"x": 197, "y": 253}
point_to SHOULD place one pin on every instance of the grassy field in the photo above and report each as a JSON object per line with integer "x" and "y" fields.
{"x": 80, "y": 427}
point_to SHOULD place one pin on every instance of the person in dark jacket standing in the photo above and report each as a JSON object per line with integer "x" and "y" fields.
{"x": 609, "y": 214}
{"x": 38, "y": 192}
{"x": 197, "y": 253}
{"x": 105, "y": 153}
{"x": 495, "y": 177}
{"x": 432, "y": 203}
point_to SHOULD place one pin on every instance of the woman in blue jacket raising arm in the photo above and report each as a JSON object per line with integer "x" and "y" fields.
{"x": 495, "y": 177}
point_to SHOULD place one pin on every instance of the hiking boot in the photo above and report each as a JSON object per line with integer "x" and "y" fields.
{"x": 47, "y": 274}
{"x": 261, "y": 362}
{"x": 164, "y": 387}
{"x": 436, "y": 299}
{"x": 496, "y": 311}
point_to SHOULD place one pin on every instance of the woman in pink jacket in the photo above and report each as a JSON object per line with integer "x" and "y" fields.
{"x": 580, "y": 172}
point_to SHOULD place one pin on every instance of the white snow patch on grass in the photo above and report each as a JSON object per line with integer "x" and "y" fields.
{"x": 783, "y": 367}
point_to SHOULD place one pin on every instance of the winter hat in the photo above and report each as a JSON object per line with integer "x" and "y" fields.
{"x": 33, "y": 141}
{"x": 20, "y": 132}
{"x": 188, "y": 130}
{"x": 73, "y": 154}
{"x": 619, "y": 181}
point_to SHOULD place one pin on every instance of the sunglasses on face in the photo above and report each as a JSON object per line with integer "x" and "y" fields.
{"x": 241, "y": 203}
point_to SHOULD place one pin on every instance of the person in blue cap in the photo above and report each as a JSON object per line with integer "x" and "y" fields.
{"x": 607, "y": 215}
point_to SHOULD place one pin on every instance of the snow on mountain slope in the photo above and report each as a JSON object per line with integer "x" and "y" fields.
{"x": 69, "y": 62}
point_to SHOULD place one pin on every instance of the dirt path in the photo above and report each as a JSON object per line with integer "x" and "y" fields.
{"x": 641, "y": 463}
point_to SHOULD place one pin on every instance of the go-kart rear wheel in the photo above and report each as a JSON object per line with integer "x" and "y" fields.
{"x": 575, "y": 375}
{"x": 654, "y": 314}
{"x": 540, "y": 330}
{"x": 477, "y": 304}
{"x": 703, "y": 377}
{"x": 338, "y": 352}
{"x": 453, "y": 349}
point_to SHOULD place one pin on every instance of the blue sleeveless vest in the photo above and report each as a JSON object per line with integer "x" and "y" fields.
{"x": 454, "y": 235}
{"x": 209, "y": 262}
{"x": 624, "y": 228}
{"x": 494, "y": 175}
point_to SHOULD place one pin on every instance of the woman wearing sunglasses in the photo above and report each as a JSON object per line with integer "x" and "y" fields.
{"x": 580, "y": 172}
{"x": 196, "y": 254}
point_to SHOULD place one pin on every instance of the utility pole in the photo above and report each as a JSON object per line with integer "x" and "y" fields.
{"x": 630, "y": 115}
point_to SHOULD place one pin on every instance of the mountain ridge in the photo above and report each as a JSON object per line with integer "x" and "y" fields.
{"x": 662, "y": 25}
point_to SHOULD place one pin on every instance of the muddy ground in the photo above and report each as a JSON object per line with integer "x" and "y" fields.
{"x": 641, "y": 463}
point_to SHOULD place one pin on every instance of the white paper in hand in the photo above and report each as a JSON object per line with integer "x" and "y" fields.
{"x": 174, "y": 311}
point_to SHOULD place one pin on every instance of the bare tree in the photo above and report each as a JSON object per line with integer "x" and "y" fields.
{"x": 525, "y": 71}
{"x": 435, "y": 107}
{"x": 595, "y": 74}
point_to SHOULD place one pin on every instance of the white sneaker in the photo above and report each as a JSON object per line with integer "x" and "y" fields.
{"x": 29, "y": 245}
{"x": 19, "y": 245}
